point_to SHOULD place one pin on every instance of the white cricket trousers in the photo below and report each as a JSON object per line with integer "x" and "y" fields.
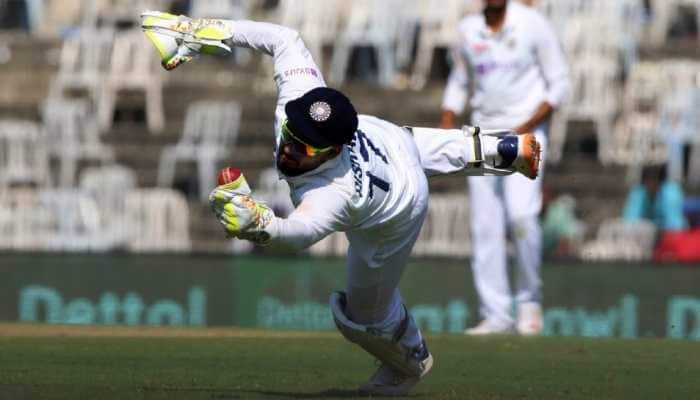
{"x": 498, "y": 204}
{"x": 373, "y": 297}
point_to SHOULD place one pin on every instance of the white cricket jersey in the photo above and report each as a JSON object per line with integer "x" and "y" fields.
{"x": 372, "y": 186}
{"x": 508, "y": 74}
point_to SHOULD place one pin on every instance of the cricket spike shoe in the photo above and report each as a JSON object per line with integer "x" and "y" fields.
{"x": 521, "y": 153}
{"x": 179, "y": 38}
{"x": 389, "y": 382}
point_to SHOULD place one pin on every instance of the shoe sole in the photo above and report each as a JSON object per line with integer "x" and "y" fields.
{"x": 529, "y": 156}
{"x": 393, "y": 391}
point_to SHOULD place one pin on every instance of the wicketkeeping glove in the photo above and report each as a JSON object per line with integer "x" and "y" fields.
{"x": 241, "y": 215}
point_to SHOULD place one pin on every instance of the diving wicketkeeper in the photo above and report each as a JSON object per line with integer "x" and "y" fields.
{"x": 347, "y": 172}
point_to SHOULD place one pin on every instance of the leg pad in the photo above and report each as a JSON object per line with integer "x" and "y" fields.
{"x": 386, "y": 347}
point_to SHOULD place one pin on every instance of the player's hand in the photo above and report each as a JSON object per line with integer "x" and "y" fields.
{"x": 521, "y": 130}
{"x": 241, "y": 215}
{"x": 447, "y": 120}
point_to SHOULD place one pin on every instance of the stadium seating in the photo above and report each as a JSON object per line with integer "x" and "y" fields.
{"x": 23, "y": 155}
{"x": 59, "y": 220}
{"x": 663, "y": 12}
{"x": 227, "y": 9}
{"x": 318, "y": 22}
{"x": 642, "y": 112}
{"x": 446, "y": 229}
{"x": 595, "y": 97}
{"x": 209, "y": 135}
{"x": 635, "y": 142}
{"x": 158, "y": 221}
{"x": 73, "y": 221}
{"x": 84, "y": 61}
{"x": 22, "y": 221}
{"x": 274, "y": 191}
{"x": 438, "y": 21}
{"x": 118, "y": 13}
{"x": 445, "y": 232}
{"x": 133, "y": 68}
{"x": 372, "y": 24}
{"x": 106, "y": 185}
{"x": 655, "y": 98}
{"x": 619, "y": 240}
{"x": 72, "y": 135}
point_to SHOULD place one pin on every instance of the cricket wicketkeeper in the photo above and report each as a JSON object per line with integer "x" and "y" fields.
{"x": 347, "y": 172}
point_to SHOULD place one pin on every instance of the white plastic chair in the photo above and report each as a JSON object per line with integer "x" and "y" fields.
{"x": 619, "y": 240}
{"x": 274, "y": 192}
{"x": 84, "y": 61}
{"x": 446, "y": 231}
{"x": 72, "y": 134}
{"x": 22, "y": 222}
{"x": 643, "y": 87}
{"x": 209, "y": 135}
{"x": 226, "y": 9}
{"x": 23, "y": 154}
{"x": 438, "y": 21}
{"x": 133, "y": 69}
{"x": 595, "y": 97}
{"x": 634, "y": 141}
{"x": 114, "y": 13}
{"x": 107, "y": 186}
{"x": 158, "y": 221}
{"x": 74, "y": 221}
{"x": 318, "y": 22}
{"x": 663, "y": 12}
{"x": 374, "y": 24}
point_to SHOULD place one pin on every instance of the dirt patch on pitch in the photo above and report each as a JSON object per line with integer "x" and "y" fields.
{"x": 45, "y": 330}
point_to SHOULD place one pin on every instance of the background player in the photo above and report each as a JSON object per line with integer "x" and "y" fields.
{"x": 510, "y": 65}
{"x": 357, "y": 174}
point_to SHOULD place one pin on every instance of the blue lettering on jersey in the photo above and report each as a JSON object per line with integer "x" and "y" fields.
{"x": 356, "y": 170}
{"x": 364, "y": 143}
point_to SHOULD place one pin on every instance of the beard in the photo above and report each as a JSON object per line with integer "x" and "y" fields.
{"x": 491, "y": 8}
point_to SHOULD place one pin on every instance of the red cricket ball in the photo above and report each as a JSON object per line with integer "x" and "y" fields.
{"x": 228, "y": 174}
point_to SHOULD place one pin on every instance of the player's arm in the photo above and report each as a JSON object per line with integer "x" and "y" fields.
{"x": 555, "y": 71}
{"x": 456, "y": 90}
{"x": 179, "y": 39}
{"x": 295, "y": 71}
{"x": 321, "y": 212}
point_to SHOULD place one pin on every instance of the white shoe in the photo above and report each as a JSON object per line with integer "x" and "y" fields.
{"x": 529, "y": 319}
{"x": 490, "y": 327}
{"x": 387, "y": 382}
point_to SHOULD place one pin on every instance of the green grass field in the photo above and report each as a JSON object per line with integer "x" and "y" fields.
{"x": 54, "y": 362}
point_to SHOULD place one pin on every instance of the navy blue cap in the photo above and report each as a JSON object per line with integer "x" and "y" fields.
{"x": 322, "y": 117}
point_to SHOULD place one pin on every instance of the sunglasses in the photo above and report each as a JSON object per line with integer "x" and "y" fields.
{"x": 309, "y": 150}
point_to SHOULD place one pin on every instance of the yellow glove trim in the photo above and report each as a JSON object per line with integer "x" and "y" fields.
{"x": 154, "y": 39}
{"x": 210, "y": 32}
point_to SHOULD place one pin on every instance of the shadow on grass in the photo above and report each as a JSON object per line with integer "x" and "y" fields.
{"x": 325, "y": 394}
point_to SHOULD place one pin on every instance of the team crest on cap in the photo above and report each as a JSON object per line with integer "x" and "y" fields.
{"x": 320, "y": 111}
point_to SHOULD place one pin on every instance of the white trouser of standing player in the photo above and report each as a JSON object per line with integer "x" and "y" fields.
{"x": 498, "y": 203}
